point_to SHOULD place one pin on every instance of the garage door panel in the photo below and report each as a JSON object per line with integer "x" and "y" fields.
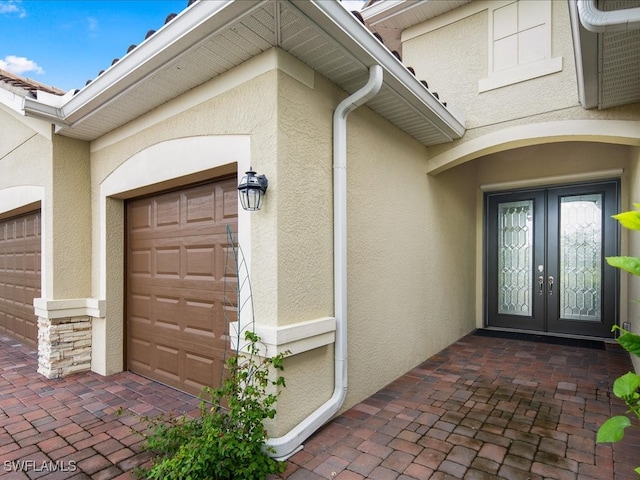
{"x": 167, "y": 358}
{"x": 140, "y": 262}
{"x": 176, "y": 255}
{"x": 165, "y": 286}
{"x": 201, "y": 316}
{"x": 200, "y": 207}
{"x": 189, "y": 235}
{"x": 167, "y": 210}
{"x": 139, "y": 306}
{"x": 200, "y": 261}
{"x": 139, "y": 216}
{"x": 228, "y": 207}
{"x": 139, "y": 353}
{"x": 31, "y": 263}
{"x": 167, "y": 313}
{"x": 20, "y": 246}
{"x": 202, "y": 370}
{"x": 167, "y": 261}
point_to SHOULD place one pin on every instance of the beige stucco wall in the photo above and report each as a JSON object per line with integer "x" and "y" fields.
{"x": 25, "y": 153}
{"x": 288, "y": 243}
{"x": 410, "y": 247}
{"x": 42, "y": 170}
{"x": 304, "y": 238}
{"x": 397, "y": 280}
{"x": 399, "y": 268}
{"x": 529, "y": 133}
{"x": 68, "y": 221}
{"x": 240, "y": 103}
{"x": 452, "y": 56}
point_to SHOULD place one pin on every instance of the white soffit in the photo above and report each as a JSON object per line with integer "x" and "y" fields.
{"x": 210, "y": 38}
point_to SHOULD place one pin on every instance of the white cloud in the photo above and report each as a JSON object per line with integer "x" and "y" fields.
{"x": 9, "y": 7}
{"x": 20, "y": 65}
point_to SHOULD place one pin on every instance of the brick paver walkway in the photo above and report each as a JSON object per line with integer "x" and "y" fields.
{"x": 484, "y": 408}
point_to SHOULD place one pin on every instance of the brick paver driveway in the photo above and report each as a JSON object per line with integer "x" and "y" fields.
{"x": 82, "y": 426}
{"x": 484, "y": 408}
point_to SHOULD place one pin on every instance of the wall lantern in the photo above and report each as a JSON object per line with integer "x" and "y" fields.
{"x": 251, "y": 190}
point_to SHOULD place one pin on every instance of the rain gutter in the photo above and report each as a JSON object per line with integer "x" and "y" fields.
{"x": 290, "y": 443}
{"x": 340, "y": 26}
{"x": 599, "y": 21}
{"x": 177, "y": 37}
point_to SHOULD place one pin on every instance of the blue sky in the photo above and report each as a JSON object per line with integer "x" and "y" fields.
{"x": 64, "y": 43}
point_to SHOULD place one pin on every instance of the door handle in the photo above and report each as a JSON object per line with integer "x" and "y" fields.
{"x": 541, "y": 279}
{"x": 550, "y": 281}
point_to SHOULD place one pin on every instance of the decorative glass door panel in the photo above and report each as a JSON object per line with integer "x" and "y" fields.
{"x": 581, "y": 254}
{"x": 515, "y": 257}
{"x": 545, "y": 266}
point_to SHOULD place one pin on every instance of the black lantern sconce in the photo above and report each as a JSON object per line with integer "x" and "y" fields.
{"x": 251, "y": 190}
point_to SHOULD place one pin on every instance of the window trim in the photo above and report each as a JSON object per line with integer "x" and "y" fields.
{"x": 519, "y": 73}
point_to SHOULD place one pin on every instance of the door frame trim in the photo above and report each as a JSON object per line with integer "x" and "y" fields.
{"x": 587, "y": 177}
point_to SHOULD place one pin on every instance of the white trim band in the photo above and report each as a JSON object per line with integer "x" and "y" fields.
{"x": 74, "y": 307}
{"x": 296, "y": 338}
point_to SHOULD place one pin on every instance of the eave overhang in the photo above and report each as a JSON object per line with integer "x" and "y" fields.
{"x": 211, "y": 37}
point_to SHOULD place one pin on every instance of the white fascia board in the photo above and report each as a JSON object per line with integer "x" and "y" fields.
{"x": 43, "y": 111}
{"x": 47, "y": 106}
{"x": 187, "y": 29}
{"x": 381, "y": 11}
{"x": 11, "y": 100}
{"x": 344, "y": 28}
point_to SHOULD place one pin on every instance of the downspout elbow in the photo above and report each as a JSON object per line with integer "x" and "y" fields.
{"x": 600, "y": 21}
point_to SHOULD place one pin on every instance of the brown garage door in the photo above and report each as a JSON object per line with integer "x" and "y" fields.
{"x": 20, "y": 247}
{"x": 176, "y": 252}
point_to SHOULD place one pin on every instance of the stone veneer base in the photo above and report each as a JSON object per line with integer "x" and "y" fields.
{"x": 64, "y": 346}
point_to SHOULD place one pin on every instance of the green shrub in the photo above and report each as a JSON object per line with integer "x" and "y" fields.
{"x": 626, "y": 387}
{"x": 227, "y": 440}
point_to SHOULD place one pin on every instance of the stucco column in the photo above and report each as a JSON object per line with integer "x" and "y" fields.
{"x": 64, "y": 320}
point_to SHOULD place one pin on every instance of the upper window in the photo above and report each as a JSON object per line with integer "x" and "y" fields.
{"x": 519, "y": 43}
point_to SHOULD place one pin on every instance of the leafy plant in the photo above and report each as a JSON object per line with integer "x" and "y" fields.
{"x": 227, "y": 440}
{"x": 626, "y": 387}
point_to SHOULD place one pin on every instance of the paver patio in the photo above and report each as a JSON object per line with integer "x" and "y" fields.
{"x": 483, "y": 408}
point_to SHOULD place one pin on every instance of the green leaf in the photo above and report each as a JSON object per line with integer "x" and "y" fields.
{"x": 613, "y": 429}
{"x": 630, "y": 264}
{"x": 630, "y": 342}
{"x": 637, "y": 470}
{"x": 626, "y": 385}
{"x": 630, "y": 220}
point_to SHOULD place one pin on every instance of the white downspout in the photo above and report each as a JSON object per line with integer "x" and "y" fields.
{"x": 600, "y": 21}
{"x": 291, "y": 442}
